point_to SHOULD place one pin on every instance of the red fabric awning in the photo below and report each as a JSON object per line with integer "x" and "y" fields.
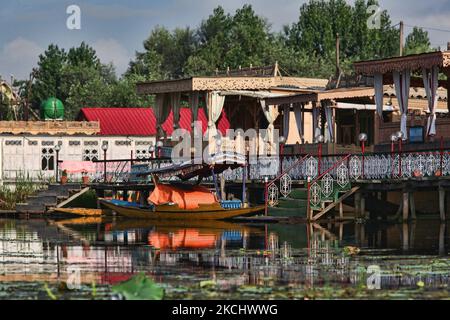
{"x": 186, "y": 121}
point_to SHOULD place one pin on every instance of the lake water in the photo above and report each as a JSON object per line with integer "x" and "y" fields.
{"x": 83, "y": 258}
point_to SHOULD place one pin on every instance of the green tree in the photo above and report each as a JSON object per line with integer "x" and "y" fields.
{"x": 417, "y": 42}
{"x": 48, "y": 78}
{"x": 165, "y": 54}
{"x": 79, "y": 79}
{"x": 316, "y": 36}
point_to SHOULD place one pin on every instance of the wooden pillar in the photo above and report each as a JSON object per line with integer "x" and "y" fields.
{"x": 405, "y": 205}
{"x": 405, "y": 236}
{"x": 442, "y": 203}
{"x": 222, "y": 187}
{"x": 442, "y": 239}
{"x": 341, "y": 210}
{"x": 412, "y": 204}
{"x": 447, "y": 73}
{"x": 357, "y": 204}
{"x": 363, "y": 207}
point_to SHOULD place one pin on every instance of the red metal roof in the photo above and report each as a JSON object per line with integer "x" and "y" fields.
{"x": 142, "y": 121}
{"x": 122, "y": 121}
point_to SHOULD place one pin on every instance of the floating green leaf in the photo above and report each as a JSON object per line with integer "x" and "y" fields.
{"x": 139, "y": 287}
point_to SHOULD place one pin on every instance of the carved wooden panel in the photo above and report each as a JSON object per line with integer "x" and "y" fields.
{"x": 413, "y": 62}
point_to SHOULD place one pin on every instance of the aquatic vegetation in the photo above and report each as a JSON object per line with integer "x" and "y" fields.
{"x": 18, "y": 192}
{"x": 235, "y": 269}
{"x": 139, "y": 287}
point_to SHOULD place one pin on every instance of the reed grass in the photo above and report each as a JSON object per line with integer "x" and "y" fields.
{"x": 18, "y": 192}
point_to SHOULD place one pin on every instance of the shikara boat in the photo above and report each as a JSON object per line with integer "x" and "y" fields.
{"x": 173, "y": 212}
{"x": 185, "y": 201}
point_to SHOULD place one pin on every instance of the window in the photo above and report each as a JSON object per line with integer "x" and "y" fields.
{"x": 90, "y": 154}
{"x": 73, "y": 143}
{"x": 13, "y": 143}
{"x": 123, "y": 143}
{"x": 47, "y": 159}
{"x": 142, "y": 153}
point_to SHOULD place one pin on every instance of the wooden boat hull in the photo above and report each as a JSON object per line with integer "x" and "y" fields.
{"x": 169, "y": 212}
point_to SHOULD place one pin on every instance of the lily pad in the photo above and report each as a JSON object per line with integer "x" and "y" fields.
{"x": 139, "y": 287}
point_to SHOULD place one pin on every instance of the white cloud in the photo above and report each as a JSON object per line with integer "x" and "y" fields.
{"x": 18, "y": 57}
{"x": 115, "y": 11}
{"x": 110, "y": 50}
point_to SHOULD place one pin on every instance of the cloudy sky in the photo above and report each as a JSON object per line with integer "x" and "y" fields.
{"x": 116, "y": 28}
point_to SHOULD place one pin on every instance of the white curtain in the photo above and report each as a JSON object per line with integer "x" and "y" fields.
{"x": 286, "y": 119}
{"x": 378, "y": 85}
{"x": 215, "y": 107}
{"x": 430, "y": 83}
{"x": 271, "y": 113}
{"x": 329, "y": 117}
{"x": 298, "y": 112}
{"x": 402, "y": 83}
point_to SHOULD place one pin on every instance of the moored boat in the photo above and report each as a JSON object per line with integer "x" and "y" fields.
{"x": 173, "y": 212}
{"x": 185, "y": 201}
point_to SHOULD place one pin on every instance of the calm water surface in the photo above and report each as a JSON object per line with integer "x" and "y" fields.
{"x": 40, "y": 259}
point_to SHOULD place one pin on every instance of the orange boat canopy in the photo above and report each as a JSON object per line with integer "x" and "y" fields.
{"x": 186, "y": 197}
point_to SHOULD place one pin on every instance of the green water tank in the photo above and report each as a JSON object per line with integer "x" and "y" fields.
{"x": 52, "y": 109}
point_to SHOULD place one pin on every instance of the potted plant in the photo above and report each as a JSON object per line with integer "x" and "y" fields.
{"x": 417, "y": 173}
{"x": 85, "y": 177}
{"x": 64, "y": 177}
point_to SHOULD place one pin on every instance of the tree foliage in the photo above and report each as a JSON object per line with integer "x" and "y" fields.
{"x": 79, "y": 79}
{"x": 417, "y": 42}
{"x": 306, "y": 47}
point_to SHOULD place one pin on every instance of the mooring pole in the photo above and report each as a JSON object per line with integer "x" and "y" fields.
{"x": 400, "y": 157}
{"x": 441, "y": 150}
{"x": 266, "y": 196}
{"x": 216, "y": 186}
{"x": 244, "y": 177}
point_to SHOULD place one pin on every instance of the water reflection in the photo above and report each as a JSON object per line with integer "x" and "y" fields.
{"x": 294, "y": 257}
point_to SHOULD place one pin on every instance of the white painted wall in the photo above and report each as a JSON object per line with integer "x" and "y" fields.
{"x": 23, "y": 154}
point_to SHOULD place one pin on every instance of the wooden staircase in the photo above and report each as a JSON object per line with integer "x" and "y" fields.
{"x": 50, "y": 197}
{"x": 295, "y": 205}
{"x": 327, "y": 206}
